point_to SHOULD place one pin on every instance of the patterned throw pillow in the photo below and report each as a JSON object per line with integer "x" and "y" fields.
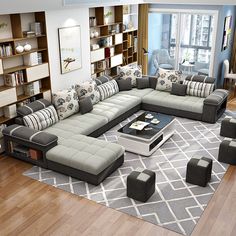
{"x": 130, "y": 72}
{"x": 108, "y": 89}
{"x": 88, "y": 88}
{"x": 166, "y": 78}
{"x": 41, "y": 119}
{"x": 199, "y": 89}
{"x": 66, "y": 103}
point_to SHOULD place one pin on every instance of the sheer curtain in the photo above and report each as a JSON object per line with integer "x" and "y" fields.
{"x": 233, "y": 57}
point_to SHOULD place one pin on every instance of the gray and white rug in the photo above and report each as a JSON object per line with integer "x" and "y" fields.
{"x": 176, "y": 205}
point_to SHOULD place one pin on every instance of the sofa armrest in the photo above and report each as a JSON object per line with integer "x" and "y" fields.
{"x": 214, "y": 105}
{"x": 217, "y": 97}
{"x": 25, "y": 135}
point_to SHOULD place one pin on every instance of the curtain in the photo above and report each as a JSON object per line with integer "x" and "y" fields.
{"x": 143, "y": 36}
{"x": 233, "y": 57}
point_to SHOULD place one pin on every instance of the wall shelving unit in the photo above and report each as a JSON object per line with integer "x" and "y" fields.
{"x": 12, "y": 35}
{"x": 117, "y": 39}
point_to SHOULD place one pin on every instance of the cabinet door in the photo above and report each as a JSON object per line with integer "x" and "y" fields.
{"x": 7, "y": 96}
{"x": 37, "y": 72}
{"x": 116, "y": 60}
{"x": 97, "y": 55}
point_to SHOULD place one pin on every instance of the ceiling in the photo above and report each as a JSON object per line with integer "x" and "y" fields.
{"x": 11, "y": 6}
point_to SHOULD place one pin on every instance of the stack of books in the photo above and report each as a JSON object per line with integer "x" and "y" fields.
{"x": 14, "y": 79}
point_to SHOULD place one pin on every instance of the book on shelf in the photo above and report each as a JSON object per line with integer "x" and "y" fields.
{"x": 130, "y": 41}
{"x": 135, "y": 44}
{"x": 14, "y": 79}
{"x": 5, "y": 50}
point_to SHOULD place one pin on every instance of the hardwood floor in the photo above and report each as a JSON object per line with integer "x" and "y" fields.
{"x": 28, "y": 207}
{"x": 232, "y": 104}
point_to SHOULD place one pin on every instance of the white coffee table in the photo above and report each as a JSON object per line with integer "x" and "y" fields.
{"x": 148, "y": 140}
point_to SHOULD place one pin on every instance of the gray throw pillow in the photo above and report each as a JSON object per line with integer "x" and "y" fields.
{"x": 178, "y": 89}
{"x": 124, "y": 84}
{"x": 85, "y": 105}
{"x": 142, "y": 83}
{"x": 33, "y": 107}
{"x": 153, "y": 82}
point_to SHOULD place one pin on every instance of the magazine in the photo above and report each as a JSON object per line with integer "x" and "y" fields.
{"x": 139, "y": 125}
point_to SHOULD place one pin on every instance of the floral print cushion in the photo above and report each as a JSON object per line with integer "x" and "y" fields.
{"x": 166, "y": 78}
{"x": 88, "y": 88}
{"x": 66, "y": 103}
{"x": 130, "y": 72}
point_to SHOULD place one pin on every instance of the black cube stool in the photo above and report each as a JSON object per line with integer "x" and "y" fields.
{"x": 227, "y": 151}
{"x": 228, "y": 128}
{"x": 141, "y": 184}
{"x": 199, "y": 171}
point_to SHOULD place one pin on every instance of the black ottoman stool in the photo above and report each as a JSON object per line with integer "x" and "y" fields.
{"x": 227, "y": 151}
{"x": 228, "y": 128}
{"x": 199, "y": 171}
{"x": 141, "y": 184}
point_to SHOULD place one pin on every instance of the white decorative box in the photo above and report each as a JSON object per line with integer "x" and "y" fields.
{"x": 31, "y": 59}
{"x": 10, "y": 111}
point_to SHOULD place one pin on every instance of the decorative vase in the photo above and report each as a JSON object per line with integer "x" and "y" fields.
{"x": 96, "y": 34}
{"x": 27, "y": 47}
{"x": 106, "y": 20}
{"x": 19, "y": 49}
{"x": 91, "y": 35}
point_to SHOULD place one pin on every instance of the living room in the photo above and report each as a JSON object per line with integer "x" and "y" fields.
{"x": 117, "y": 118}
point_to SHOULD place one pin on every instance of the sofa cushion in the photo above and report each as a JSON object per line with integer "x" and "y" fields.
{"x": 142, "y": 83}
{"x": 85, "y": 105}
{"x": 108, "y": 89}
{"x": 102, "y": 79}
{"x": 137, "y": 92}
{"x": 115, "y": 106}
{"x": 77, "y": 124}
{"x": 41, "y": 119}
{"x": 199, "y": 89}
{"x": 165, "y": 99}
{"x": 124, "y": 84}
{"x": 85, "y": 153}
{"x": 166, "y": 78}
{"x": 33, "y": 107}
{"x": 66, "y": 103}
{"x": 88, "y": 88}
{"x": 130, "y": 72}
{"x": 178, "y": 89}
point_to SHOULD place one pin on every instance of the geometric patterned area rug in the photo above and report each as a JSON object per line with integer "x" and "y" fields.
{"x": 175, "y": 205}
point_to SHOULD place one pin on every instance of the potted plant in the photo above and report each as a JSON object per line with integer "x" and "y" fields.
{"x": 106, "y": 17}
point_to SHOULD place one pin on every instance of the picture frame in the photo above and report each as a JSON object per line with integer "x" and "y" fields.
{"x": 70, "y": 48}
{"x": 227, "y": 32}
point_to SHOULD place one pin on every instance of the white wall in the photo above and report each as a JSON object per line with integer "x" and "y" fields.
{"x": 63, "y": 18}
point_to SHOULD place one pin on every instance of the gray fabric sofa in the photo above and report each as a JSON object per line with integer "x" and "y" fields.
{"x": 93, "y": 160}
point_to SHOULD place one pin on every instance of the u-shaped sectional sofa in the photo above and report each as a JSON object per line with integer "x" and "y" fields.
{"x": 78, "y": 152}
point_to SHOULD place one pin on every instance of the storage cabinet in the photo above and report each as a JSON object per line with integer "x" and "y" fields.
{"x": 19, "y": 69}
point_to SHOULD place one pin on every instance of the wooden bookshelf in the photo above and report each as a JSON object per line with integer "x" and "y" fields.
{"x": 116, "y": 53}
{"x": 10, "y": 62}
